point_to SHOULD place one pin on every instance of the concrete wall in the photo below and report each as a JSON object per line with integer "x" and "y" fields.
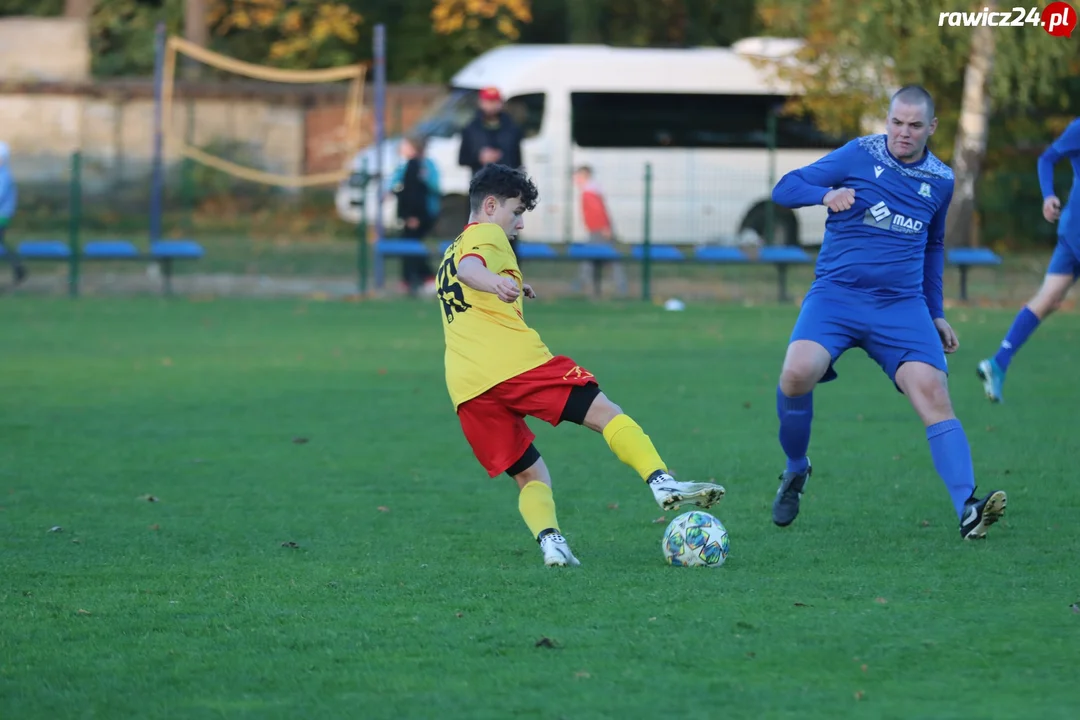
{"x": 112, "y": 124}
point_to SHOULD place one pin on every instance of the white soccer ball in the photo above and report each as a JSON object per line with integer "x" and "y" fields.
{"x": 696, "y": 539}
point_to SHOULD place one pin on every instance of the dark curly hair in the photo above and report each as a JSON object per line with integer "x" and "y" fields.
{"x": 502, "y": 182}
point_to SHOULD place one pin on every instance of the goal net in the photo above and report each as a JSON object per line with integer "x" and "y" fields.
{"x": 348, "y": 136}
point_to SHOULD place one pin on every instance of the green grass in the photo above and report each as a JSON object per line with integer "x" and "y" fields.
{"x": 414, "y": 590}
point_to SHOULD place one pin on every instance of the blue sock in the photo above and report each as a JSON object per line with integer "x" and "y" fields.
{"x": 1022, "y": 328}
{"x": 952, "y": 459}
{"x": 795, "y": 414}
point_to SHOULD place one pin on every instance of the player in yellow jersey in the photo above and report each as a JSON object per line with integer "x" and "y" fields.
{"x": 499, "y": 371}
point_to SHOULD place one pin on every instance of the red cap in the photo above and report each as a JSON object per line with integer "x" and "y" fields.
{"x": 490, "y": 93}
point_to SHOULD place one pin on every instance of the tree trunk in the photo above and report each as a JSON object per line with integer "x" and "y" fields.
{"x": 195, "y": 31}
{"x": 971, "y": 138}
{"x": 583, "y": 19}
{"x": 80, "y": 9}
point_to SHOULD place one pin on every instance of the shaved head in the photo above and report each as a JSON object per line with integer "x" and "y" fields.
{"x": 914, "y": 95}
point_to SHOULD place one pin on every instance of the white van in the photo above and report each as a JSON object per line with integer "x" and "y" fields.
{"x": 697, "y": 116}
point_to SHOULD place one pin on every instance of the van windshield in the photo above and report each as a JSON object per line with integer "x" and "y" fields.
{"x": 449, "y": 117}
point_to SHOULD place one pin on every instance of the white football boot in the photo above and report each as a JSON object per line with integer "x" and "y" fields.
{"x": 557, "y": 551}
{"x": 670, "y": 493}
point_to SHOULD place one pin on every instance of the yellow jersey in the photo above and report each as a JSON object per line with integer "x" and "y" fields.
{"x": 487, "y": 340}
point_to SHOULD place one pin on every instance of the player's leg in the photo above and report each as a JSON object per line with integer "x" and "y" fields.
{"x": 589, "y": 407}
{"x": 826, "y": 328}
{"x": 1062, "y": 272}
{"x": 927, "y": 388}
{"x": 17, "y": 268}
{"x": 907, "y": 346}
{"x": 502, "y": 442}
{"x": 562, "y": 391}
{"x": 537, "y": 507}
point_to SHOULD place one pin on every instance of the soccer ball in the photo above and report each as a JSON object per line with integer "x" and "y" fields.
{"x": 696, "y": 539}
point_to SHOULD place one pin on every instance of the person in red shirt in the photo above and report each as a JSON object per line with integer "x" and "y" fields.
{"x": 598, "y": 224}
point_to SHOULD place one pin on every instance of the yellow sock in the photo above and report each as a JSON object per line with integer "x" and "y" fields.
{"x": 537, "y": 507}
{"x": 631, "y": 445}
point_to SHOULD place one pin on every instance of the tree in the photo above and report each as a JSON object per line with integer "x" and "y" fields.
{"x": 854, "y": 52}
{"x": 196, "y": 30}
{"x": 296, "y": 34}
{"x": 479, "y": 25}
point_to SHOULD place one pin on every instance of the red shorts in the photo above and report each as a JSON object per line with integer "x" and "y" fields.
{"x": 494, "y": 422}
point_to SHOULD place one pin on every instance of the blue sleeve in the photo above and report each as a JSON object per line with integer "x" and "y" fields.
{"x": 8, "y": 196}
{"x": 934, "y": 262}
{"x": 809, "y": 185}
{"x": 1068, "y": 145}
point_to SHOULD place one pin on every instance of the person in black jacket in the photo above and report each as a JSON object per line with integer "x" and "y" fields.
{"x": 416, "y": 184}
{"x": 491, "y": 137}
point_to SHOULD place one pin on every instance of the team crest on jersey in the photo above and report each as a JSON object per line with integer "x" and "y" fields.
{"x": 924, "y": 190}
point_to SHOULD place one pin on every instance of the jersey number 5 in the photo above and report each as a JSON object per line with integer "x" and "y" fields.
{"x": 451, "y": 294}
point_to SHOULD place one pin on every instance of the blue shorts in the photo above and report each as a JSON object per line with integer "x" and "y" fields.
{"x": 1066, "y": 259}
{"x": 892, "y": 331}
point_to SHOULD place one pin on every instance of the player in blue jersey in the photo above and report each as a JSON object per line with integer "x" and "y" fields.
{"x": 1064, "y": 266}
{"x": 878, "y": 287}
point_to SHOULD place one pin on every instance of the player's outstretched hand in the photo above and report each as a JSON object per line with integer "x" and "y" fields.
{"x": 949, "y": 341}
{"x": 839, "y": 200}
{"x": 506, "y": 289}
{"x": 1051, "y": 209}
{"x": 529, "y": 292}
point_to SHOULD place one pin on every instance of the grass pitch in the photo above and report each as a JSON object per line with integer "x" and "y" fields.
{"x": 237, "y": 509}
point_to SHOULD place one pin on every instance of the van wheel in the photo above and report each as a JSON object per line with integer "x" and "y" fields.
{"x": 452, "y": 217}
{"x": 785, "y": 225}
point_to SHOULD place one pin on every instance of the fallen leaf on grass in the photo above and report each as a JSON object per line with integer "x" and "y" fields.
{"x": 881, "y": 601}
{"x": 859, "y": 694}
{"x": 613, "y": 506}
{"x": 383, "y": 508}
{"x": 381, "y": 371}
{"x": 864, "y": 668}
{"x": 149, "y": 498}
{"x": 798, "y": 604}
{"x": 582, "y": 674}
{"x": 545, "y": 642}
{"x": 167, "y": 362}
{"x": 459, "y": 614}
{"x": 56, "y": 528}
{"x": 300, "y": 440}
{"x": 746, "y": 405}
{"x": 925, "y": 523}
{"x": 660, "y": 519}
{"x": 751, "y": 655}
{"x": 83, "y": 612}
{"x": 290, "y": 544}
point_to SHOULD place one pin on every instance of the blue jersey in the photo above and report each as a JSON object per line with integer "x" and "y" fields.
{"x": 1066, "y": 146}
{"x": 891, "y": 242}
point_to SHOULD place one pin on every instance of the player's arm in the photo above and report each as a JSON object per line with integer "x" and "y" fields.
{"x": 809, "y": 185}
{"x": 473, "y": 272}
{"x": 934, "y": 262}
{"x": 1068, "y": 145}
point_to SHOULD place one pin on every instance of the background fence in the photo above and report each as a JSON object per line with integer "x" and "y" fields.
{"x": 265, "y": 240}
